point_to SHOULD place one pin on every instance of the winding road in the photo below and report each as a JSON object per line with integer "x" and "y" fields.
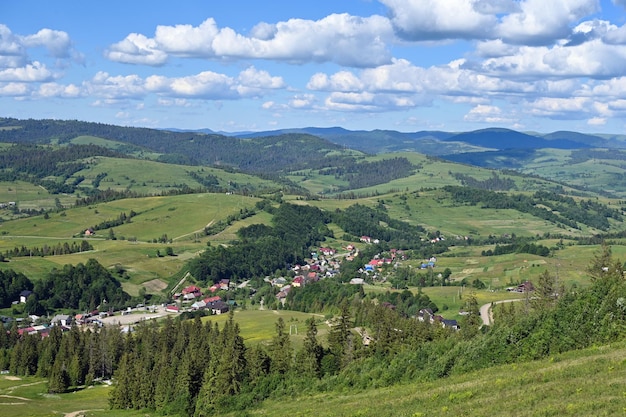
{"x": 485, "y": 310}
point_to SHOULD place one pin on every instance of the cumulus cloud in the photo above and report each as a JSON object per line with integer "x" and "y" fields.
{"x": 17, "y": 66}
{"x": 541, "y": 22}
{"x": 10, "y": 45}
{"x": 35, "y": 72}
{"x": 14, "y": 90}
{"x": 137, "y": 49}
{"x": 173, "y": 90}
{"x": 488, "y": 114}
{"x": 425, "y": 20}
{"x": 56, "y": 42}
{"x": 340, "y": 38}
{"x": 593, "y": 58}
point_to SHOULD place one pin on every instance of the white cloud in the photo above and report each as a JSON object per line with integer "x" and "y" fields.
{"x": 56, "y": 42}
{"x": 616, "y": 36}
{"x": 424, "y": 20}
{"x": 340, "y": 38}
{"x": 14, "y": 89}
{"x": 594, "y": 59}
{"x": 596, "y": 121}
{"x": 561, "y": 108}
{"x": 541, "y": 22}
{"x": 302, "y": 101}
{"x": 57, "y": 90}
{"x": 35, "y": 72}
{"x": 205, "y": 85}
{"x": 488, "y": 114}
{"x": 136, "y": 49}
{"x": 10, "y": 45}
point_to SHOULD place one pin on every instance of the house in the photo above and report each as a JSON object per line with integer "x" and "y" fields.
{"x": 357, "y": 281}
{"x": 450, "y": 324}
{"x": 192, "y": 290}
{"x": 224, "y": 284}
{"x": 298, "y": 281}
{"x": 366, "y": 239}
{"x": 172, "y": 309}
{"x": 61, "y": 320}
{"x": 213, "y": 299}
{"x": 284, "y": 292}
{"x": 523, "y": 287}
{"x": 219, "y": 307}
{"x": 199, "y": 305}
{"x": 189, "y": 296}
{"x": 279, "y": 282}
{"x": 327, "y": 251}
{"x": 24, "y": 295}
{"x": 425, "y": 314}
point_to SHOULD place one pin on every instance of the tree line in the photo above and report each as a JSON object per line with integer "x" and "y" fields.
{"x": 58, "y": 249}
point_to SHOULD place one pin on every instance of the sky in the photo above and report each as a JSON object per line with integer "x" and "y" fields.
{"x": 249, "y": 65}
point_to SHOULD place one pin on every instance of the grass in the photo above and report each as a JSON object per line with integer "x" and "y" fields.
{"x": 28, "y": 397}
{"x": 259, "y": 326}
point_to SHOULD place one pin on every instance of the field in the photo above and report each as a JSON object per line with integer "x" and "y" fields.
{"x": 181, "y": 219}
{"x": 259, "y": 326}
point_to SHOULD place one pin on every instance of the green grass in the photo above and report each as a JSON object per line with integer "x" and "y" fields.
{"x": 28, "y": 397}
{"x": 259, "y": 326}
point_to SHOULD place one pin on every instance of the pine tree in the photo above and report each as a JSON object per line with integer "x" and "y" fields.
{"x": 309, "y": 358}
{"x": 121, "y": 396}
{"x": 58, "y": 382}
{"x": 280, "y": 350}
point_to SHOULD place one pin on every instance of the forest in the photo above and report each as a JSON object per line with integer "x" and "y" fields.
{"x": 82, "y": 287}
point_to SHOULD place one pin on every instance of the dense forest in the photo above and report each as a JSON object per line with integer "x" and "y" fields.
{"x": 82, "y": 287}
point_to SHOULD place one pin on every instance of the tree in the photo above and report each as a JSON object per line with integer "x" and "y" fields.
{"x": 546, "y": 292}
{"x": 470, "y": 323}
{"x": 58, "y": 382}
{"x": 280, "y": 350}
{"x": 309, "y": 358}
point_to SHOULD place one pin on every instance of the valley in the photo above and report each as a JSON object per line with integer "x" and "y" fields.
{"x": 139, "y": 224}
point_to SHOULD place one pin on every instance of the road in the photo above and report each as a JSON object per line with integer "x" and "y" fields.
{"x": 485, "y": 311}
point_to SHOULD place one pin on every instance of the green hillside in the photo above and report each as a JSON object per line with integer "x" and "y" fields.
{"x": 303, "y": 228}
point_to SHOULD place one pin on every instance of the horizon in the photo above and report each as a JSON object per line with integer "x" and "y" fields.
{"x": 454, "y": 66}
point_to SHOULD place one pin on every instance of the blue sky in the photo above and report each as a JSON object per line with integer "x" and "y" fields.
{"x": 406, "y": 65}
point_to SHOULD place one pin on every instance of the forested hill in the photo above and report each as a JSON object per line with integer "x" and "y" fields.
{"x": 267, "y": 154}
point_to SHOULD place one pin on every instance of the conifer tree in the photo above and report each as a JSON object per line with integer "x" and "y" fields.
{"x": 58, "y": 382}
{"x": 281, "y": 351}
{"x": 309, "y": 358}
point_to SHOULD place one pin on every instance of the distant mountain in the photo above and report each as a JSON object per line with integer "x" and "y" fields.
{"x": 445, "y": 143}
{"x": 501, "y": 139}
{"x": 590, "y": 140}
